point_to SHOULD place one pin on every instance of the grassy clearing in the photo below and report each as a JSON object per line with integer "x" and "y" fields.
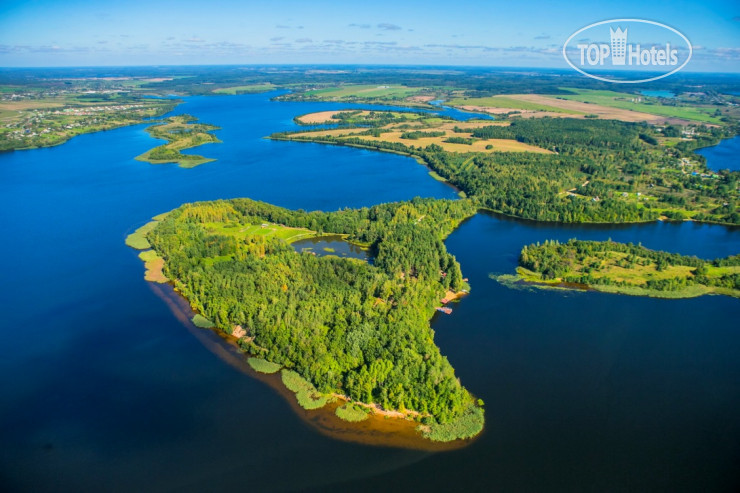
{"x": 202, "y": 322}
{"x": 263, "y": 366}
{"x": 642, "y": 103}
{"x": 137, "y": 239}
{"x": 307, "y": 395}
{"x": 466, "y": 426}
{"x": 249, "y": 89}
{"x": 351, "y": 412}
{"x": 153, "y": 264}
{"x": 268, "y": 230}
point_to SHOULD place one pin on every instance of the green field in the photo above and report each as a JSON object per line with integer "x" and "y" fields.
{"x": 505, "y": 102}
{"x": 647, "y": 104}
{"x": 363, "y": 91}
{"x": 251, "y": 89}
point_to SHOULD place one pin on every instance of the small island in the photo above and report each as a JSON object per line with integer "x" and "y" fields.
{"x": 625, "y": 268}
{"x": 181, "y": 133}
{"x": 343, "y": 332}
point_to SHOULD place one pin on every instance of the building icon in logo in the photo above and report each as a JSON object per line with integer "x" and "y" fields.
{"x": 619, "y": 45}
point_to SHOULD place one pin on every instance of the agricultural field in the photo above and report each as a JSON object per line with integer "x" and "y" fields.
{"x": 507, "y": 103}
{"x": 643, "y": 104}
{"x": 250, "y": 89}
{"x": 369, "y": 91}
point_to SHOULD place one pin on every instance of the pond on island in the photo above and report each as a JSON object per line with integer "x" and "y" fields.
{"x": 332, "y": 245}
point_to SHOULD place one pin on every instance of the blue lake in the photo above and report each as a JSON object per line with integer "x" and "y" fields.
{"x": 725, "y": 155}
{"x": 105, "y": 390}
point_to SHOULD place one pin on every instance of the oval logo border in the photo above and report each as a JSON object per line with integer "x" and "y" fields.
{"x": 603, "y": 79}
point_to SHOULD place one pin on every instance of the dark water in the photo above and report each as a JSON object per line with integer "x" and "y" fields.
{"x": 104, "y": 390}
{"x": 725, "y": 155}
{"x": 331, "y": 245}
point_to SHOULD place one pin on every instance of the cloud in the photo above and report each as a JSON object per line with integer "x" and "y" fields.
{"x": 304, "y": 40}
{"x": 277, "y": 38}
{"x": 281, "y": 26}
{"x": 385, "y": 26}
{"x": 195, "y": 39}
{"x": 542, "y": 36}
{"x": 361, "y": 26}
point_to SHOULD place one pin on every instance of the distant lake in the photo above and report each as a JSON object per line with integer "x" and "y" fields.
{"x": 104, "y": 389}
{"x": 659, "y": 94}
{"x": 725, "y": 155}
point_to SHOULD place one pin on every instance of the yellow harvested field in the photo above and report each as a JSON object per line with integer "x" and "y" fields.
{"x": 322, "y": 116}
{"x": 604, "y": 112}
{"x": 420, "y": 99}
{"x": 499, "y": 145}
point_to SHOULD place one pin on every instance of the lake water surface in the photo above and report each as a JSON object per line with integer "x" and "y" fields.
{"x": 105, "y": 390}
{"x": 725, "y": 155}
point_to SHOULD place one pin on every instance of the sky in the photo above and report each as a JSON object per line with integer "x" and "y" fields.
{"x": 45, "y": 33}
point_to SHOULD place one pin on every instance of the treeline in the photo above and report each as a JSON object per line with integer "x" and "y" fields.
{"x": 344, "y": 325}
{"x": 417, "y": 134}
{"x": 560, "y": 134}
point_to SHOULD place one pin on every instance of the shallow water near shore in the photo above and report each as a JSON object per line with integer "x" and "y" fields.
{"x": 105, "y": 389}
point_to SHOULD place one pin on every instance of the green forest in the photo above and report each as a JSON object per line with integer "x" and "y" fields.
{"x": 345, "y": 325}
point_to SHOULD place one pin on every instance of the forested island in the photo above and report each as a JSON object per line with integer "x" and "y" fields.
{"x": 627, "y": 269}
{"x": 339, "y": 328}
{"x": 181, "y": 133}
{"x": 555, "y": 169}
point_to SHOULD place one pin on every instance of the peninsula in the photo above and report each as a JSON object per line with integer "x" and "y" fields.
{"x": 337, "y": 328}
{"x": 627, "y": 269}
